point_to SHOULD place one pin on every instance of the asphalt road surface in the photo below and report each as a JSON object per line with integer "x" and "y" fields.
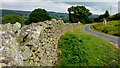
{"x": 112, "y": 39}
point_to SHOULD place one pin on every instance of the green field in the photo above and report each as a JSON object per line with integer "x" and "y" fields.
{"x": 82, "y": 49}
{"x": 111, "y": 28}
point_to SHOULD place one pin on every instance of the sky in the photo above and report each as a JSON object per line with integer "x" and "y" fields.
{"x": 95, "y": 6}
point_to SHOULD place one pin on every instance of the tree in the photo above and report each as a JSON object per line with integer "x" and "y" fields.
{"x": 39, "y": 15}
{"x": 12, "y": 18}
{"x": 106, "y": 15}
{"x": 101, "y": 17}
{"x": 78, "y": 13}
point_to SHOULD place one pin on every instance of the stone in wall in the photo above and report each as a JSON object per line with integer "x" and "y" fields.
{"x": 35, "y": 44}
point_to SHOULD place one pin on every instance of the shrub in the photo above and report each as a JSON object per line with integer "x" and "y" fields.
{"x": 12, "y": 18}
{"x": 39, "y": 15}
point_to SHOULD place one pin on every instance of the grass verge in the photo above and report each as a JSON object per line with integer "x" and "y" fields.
{"x": 111, "y": 28}
{"x": 82, "y": 49}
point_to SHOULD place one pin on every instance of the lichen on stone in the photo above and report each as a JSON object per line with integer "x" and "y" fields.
{"x": 35, "y": 44}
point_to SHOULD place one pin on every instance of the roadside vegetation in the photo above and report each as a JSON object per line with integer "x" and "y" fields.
{"x": 111, "y": 28}
{"x": 77, "y": 47}
{"x": 82, "y": 49}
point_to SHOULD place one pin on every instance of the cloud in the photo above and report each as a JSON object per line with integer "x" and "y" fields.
{"x": 95, "y": 11}
{"x": 98, "y": 7}
{"x": 61, "y": 0}
{"x": 52, "y": 5}
{"x": 119, "y": 6}
{"x": 29, "y": 6}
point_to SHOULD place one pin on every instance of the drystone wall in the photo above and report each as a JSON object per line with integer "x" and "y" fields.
{"x": 32, "y": 45}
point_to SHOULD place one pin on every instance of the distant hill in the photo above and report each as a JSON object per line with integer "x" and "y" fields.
{"x": 94, "y": 16}
{"x": 25, "y": 14}
{"x": 115, "y": 17}
{"x": 56, "y": 14}
{"x": 21, "y": 13}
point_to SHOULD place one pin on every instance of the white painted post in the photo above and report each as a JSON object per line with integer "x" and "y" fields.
{"x": 104, "y": 22}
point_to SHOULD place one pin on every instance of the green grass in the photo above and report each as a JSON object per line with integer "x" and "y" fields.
{"x": 82, "y": 49}
{"x": 111, "y": 28}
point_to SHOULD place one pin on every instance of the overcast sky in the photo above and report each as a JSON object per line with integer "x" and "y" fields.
{"x": 95, "y": 6}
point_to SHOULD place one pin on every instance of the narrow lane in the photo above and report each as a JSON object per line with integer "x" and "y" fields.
{"x": 109, "y": 38}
